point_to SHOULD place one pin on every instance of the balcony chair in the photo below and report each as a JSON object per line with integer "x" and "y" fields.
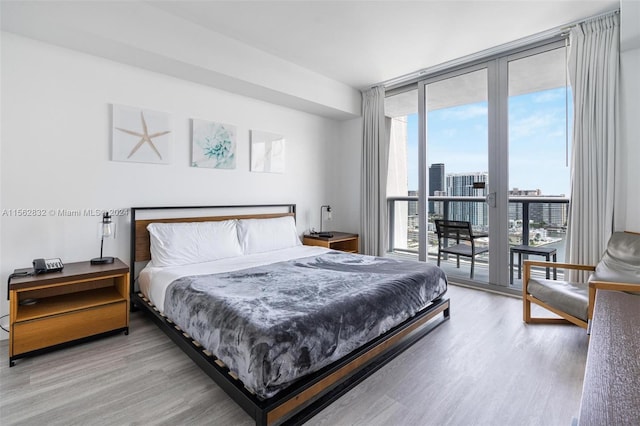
{"x": 618, "y": 269}
{"x": 464, "y": 237}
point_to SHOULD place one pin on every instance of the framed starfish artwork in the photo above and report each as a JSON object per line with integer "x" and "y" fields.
{"x": 213, "y": 145}
{"x": 267, "y": 152}
{"x": 140, "y": 135}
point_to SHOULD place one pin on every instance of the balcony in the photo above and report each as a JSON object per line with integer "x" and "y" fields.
{"x": 537, "y": 221}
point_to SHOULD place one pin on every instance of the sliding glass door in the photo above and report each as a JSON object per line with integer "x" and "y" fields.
{"x": 540, "y": 123}
{"x": 456, "y": 178}
{"x": 484, "y": 144}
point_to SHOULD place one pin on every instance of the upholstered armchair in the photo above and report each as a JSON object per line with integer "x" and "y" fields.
{"x": 618, "y": 269}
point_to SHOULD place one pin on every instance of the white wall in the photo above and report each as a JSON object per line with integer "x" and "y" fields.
{"x": 55, "y": 151}
{"x": 627, "y": 208}
{"x": 174, "y": 46}
{"x": 344, "y": 159}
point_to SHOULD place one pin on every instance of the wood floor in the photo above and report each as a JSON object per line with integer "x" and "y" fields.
{"x": 483, "y": 367}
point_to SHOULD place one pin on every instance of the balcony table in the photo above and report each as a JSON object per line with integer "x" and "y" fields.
{"x": 547, "y": 252}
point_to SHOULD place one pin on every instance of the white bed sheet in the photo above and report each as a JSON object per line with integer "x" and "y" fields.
{"x": 153, "y": 281}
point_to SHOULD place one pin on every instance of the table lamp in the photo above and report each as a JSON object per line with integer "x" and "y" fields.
{"x": 325, "y": 234}
{"x": 106, "y": 229}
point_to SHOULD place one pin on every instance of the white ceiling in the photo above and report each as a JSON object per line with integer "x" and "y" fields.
{"x": 361, "y": 43}
{"x": 313, "y": 56}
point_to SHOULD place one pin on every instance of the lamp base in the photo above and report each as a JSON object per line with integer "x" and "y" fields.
{"x": 101, "y": 260}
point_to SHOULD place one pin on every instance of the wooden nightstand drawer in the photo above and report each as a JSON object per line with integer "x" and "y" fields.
{"x": 339, "y": 241}
{"x": 82, "y": 300}
{"x": 41, "y": 333}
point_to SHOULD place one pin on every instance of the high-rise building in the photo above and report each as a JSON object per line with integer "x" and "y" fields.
{"x": 436, "y": 182}
{"x": 412, "y": 222}
{"x": 554, "y": 214}
{"x": 413, "y": 206}
{"x": 462, "y": 185}
{"x": 438, "y": 208}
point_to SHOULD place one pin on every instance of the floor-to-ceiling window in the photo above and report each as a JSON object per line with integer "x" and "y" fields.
{"x": 484, "y": 143}
{"x": 540, "y": 123}
{"x": 456, "y": 141}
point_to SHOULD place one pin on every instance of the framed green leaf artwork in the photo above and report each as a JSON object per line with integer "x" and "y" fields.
{"x": 213, "y": 145}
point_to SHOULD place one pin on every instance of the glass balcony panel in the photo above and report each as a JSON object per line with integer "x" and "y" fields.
{"x": 546, "y": 227}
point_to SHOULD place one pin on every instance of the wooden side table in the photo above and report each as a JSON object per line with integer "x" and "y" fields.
{"x": 341, "y": 241}
{"x": 52, "y": 309}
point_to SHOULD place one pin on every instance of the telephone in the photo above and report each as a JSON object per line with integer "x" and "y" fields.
{"x": 47, "y": 265}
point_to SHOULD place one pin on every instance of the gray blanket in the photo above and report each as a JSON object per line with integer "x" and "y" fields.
{"x": 273, "y": 324}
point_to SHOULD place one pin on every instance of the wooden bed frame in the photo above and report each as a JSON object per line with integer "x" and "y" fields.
{"x": 309, "y": 395}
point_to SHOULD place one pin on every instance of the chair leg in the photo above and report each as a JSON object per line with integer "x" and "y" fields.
{"x": 438, "y": 257}
{"x": 472, "y": 264}
{"x": 526, "y": 310}
{"x": 526, "y": 303}
{"x": 519, "y": 265}
{"x": 548, "y": 271}
{"x": 511, "y": 267}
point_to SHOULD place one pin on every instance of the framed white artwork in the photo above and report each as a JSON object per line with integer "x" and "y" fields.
{"x": 267, "y": 152}
{"x": 140, "y": 135}
{"x": 213, "y": 145}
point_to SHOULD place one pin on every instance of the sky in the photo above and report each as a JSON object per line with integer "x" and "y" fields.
{"x": 458, "y": 138}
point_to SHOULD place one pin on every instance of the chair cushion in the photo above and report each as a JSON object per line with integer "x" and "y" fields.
{"x": 572, "y": 298}
{"x": 464, "y": 250}
{"x": 621, "y": 260}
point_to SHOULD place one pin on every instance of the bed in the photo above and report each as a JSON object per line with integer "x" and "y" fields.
{"x": 284, "y": 329}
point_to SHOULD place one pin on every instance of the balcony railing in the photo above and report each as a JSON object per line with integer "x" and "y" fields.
{"x": 530, "y": 219}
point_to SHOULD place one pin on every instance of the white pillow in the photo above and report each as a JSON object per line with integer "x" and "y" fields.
{"x": 184, "y": 243}
{"x": 261, "y": 235}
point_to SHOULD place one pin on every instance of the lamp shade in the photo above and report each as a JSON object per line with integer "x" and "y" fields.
{"x": 106, "y": 229}
{"x": 322, "y": 208}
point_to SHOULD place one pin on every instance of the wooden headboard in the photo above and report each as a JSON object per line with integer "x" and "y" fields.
{"x": 140, "y": 240}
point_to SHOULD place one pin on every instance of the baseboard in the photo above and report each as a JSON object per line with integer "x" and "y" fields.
{"x": 490, "y": 288}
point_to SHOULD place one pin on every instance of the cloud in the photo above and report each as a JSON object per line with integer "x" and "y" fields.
{"x": 536, "y": 124}
{"x": 548, "y": 96}
{"x": 464, "y": 112}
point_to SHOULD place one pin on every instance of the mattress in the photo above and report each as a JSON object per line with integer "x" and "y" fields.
{"x": 275, "y": 317}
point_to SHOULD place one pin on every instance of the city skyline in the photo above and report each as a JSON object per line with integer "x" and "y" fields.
{"x": 457, "y": 137}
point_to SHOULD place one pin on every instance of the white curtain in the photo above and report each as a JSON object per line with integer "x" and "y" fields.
{"x": 375, "y": 159}
{"x": 593, "y": 70}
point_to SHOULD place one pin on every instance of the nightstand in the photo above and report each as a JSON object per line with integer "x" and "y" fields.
{"x": 342, "y": 241}
{"x": 53, "y": 309}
